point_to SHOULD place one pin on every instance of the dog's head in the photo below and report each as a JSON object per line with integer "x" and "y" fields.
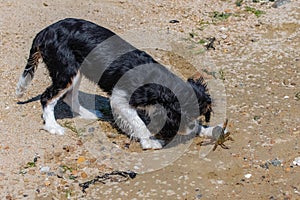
{"x": 203, "y": 97}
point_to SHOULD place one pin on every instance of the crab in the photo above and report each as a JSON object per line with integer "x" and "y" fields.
{"x": 220, "y": 136}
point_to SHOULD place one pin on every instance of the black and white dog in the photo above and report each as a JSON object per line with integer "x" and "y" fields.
{"x": 135, "y": 82}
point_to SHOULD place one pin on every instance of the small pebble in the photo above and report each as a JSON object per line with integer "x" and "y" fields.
{"x": 81, "y": 159}
{"x": 248, "y": 175}
{"x": 83, "y": 175}
{"x": 47, "y": 183}
{"x": 223, "y": 29}
{"x": 276, "y": 162}
{"x": 296, "y": 161}
{"x": 287, "y": 169}
{"x": 44, "y": 169}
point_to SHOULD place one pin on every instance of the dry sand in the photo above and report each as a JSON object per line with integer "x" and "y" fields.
{"x": 254, "y": 75}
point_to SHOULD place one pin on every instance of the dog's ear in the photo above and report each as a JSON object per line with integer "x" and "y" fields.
{"x": 198, "y": 83}
{"x": 204, "y": 99}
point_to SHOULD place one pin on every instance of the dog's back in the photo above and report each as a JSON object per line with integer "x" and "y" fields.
{"x": 72, "y": 44}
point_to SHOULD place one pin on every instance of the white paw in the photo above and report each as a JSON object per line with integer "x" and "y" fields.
{"x": 148, "y": 143}
{"x": 54, "y": 129}
{"x": 90, "y": 114}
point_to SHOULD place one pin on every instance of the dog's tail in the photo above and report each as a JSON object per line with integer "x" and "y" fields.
{"x": 29, "y": 70}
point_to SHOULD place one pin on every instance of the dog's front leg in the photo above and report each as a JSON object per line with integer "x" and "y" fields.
{"x": 127, "y": 119}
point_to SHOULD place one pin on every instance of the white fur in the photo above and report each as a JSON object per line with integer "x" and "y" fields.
{"x": 148, "y": 143}
{"x": 128, "y": 120}
{"x": 206, "y": 132}
{"x": 22, "y": 84}
{"x": 50, "y": 123}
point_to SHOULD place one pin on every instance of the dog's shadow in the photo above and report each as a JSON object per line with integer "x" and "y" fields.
{"x": 88, "y": 101}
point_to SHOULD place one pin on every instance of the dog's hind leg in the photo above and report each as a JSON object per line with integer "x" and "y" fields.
{"x": 127, "y": 119}
{"x": 71, "y": 98}
{"x": 48, "y": 100}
